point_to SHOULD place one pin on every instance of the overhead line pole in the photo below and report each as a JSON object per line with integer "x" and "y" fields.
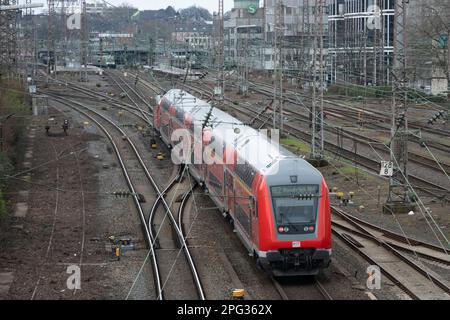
{"x": 220, "y": 85}
{"x": 278, "y": 68}
{"x": 84, "y": 41}
{"x": 399, "y": 200}
{"x": 51, "y": 49}
{"x": 317, "y": 156}
{"x": 8, "y": 38}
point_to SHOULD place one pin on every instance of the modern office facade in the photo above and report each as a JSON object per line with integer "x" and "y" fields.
{"x": 361, "y": 39}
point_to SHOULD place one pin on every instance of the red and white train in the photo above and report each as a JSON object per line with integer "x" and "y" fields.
{"x": 278, "y": 202}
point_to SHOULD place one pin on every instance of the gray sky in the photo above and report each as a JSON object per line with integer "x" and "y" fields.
{"x": 211, "y": 5}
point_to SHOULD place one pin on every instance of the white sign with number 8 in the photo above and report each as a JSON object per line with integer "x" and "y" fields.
{"x": 387, "y": 169}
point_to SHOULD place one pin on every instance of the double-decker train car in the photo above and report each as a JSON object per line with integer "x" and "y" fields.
{"x": 278, "y": 202}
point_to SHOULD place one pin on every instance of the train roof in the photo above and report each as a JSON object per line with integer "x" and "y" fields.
{"x": 252, "y": 145}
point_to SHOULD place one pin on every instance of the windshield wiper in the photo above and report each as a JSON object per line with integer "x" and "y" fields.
{"x": 305, "y": 196}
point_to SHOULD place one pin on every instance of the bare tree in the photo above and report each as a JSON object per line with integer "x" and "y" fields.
{"x": 429, "y": 53}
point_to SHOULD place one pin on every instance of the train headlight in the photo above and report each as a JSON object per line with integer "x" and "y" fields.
{"x": 280, "y": 229}
{"x": 286, "y": 229}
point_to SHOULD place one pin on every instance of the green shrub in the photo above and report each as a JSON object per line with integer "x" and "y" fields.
{"x": 2, "y": 205}
{"x": 13, "y": 101}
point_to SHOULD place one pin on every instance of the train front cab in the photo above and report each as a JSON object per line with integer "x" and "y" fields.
{"x": 295, "y": 223}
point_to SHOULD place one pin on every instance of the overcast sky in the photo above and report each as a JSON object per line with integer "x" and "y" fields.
{"x": 211, "y": 5}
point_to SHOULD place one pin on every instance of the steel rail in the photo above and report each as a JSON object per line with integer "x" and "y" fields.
{"x": 181, "y": 210}
{"x": 408, "y": 261}
{"x": 149, "y": 237}
{"x": 317, "y": 285}
{"x": 390, "y": 234}
{"x": 366, "y": 162}
{"x": 152, "y": 214}
{"x": 158, "y": 191}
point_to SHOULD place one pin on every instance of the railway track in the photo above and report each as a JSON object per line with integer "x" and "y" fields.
{"x": 317, "y": 287}
{"x": 411, "y": 291}
{"x": 292, "y": 97}
{"x": 401, "y": 242}
{"x": 262, "y": 119}
{"x": 383, "y": 251}
{"x": 97, "y": 97}
{"x": 366, "y": 162}
{"x": 375, "y": 144}
{"x": 124, "y": 86}
{"x": 344, "y": 112}
{"x": 379, "y": 119}
{"x": 311, "y": 289}
{"x": 103, "y": 122}
{"x": 393, "y": 242}
{"x": 178, "y": 204}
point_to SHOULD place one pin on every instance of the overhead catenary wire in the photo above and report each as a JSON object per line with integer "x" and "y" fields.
{"x": 431, "y": 227}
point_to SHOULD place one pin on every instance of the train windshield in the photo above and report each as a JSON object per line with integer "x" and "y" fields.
{"x": 295, "y": 207}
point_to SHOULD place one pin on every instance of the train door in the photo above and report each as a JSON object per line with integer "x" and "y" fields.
{"x": 229, "y": 190}
{"x": 254, "y": 220}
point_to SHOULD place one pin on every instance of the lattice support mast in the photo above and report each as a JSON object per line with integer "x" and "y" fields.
{"x": 398, "y": 187}
{"x": 317, "y": 83}
{"x": 84, "y": 40}
{"x": 8, "y": 40}
{"x": 278, "y": 65}
{"x": 378, "y": 39}
{"x": 51, "y": 43}
{"x": 63, "y": 24}
{"x": 220, "y": 83}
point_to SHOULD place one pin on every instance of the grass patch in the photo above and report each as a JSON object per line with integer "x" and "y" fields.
{"x": 296, "y": 145}
{"x": 350, "y": 171}
{"x": 384, "y": 92}
{"x": 6, "y": 168}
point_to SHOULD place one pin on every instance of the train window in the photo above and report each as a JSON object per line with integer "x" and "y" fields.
{"x": 165, "y": 104}
{"x": 246, "y": 172}
{"x": 180, "y": 114}
{"x": 295, "y": 208}
{"x": 215, "y": 183}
